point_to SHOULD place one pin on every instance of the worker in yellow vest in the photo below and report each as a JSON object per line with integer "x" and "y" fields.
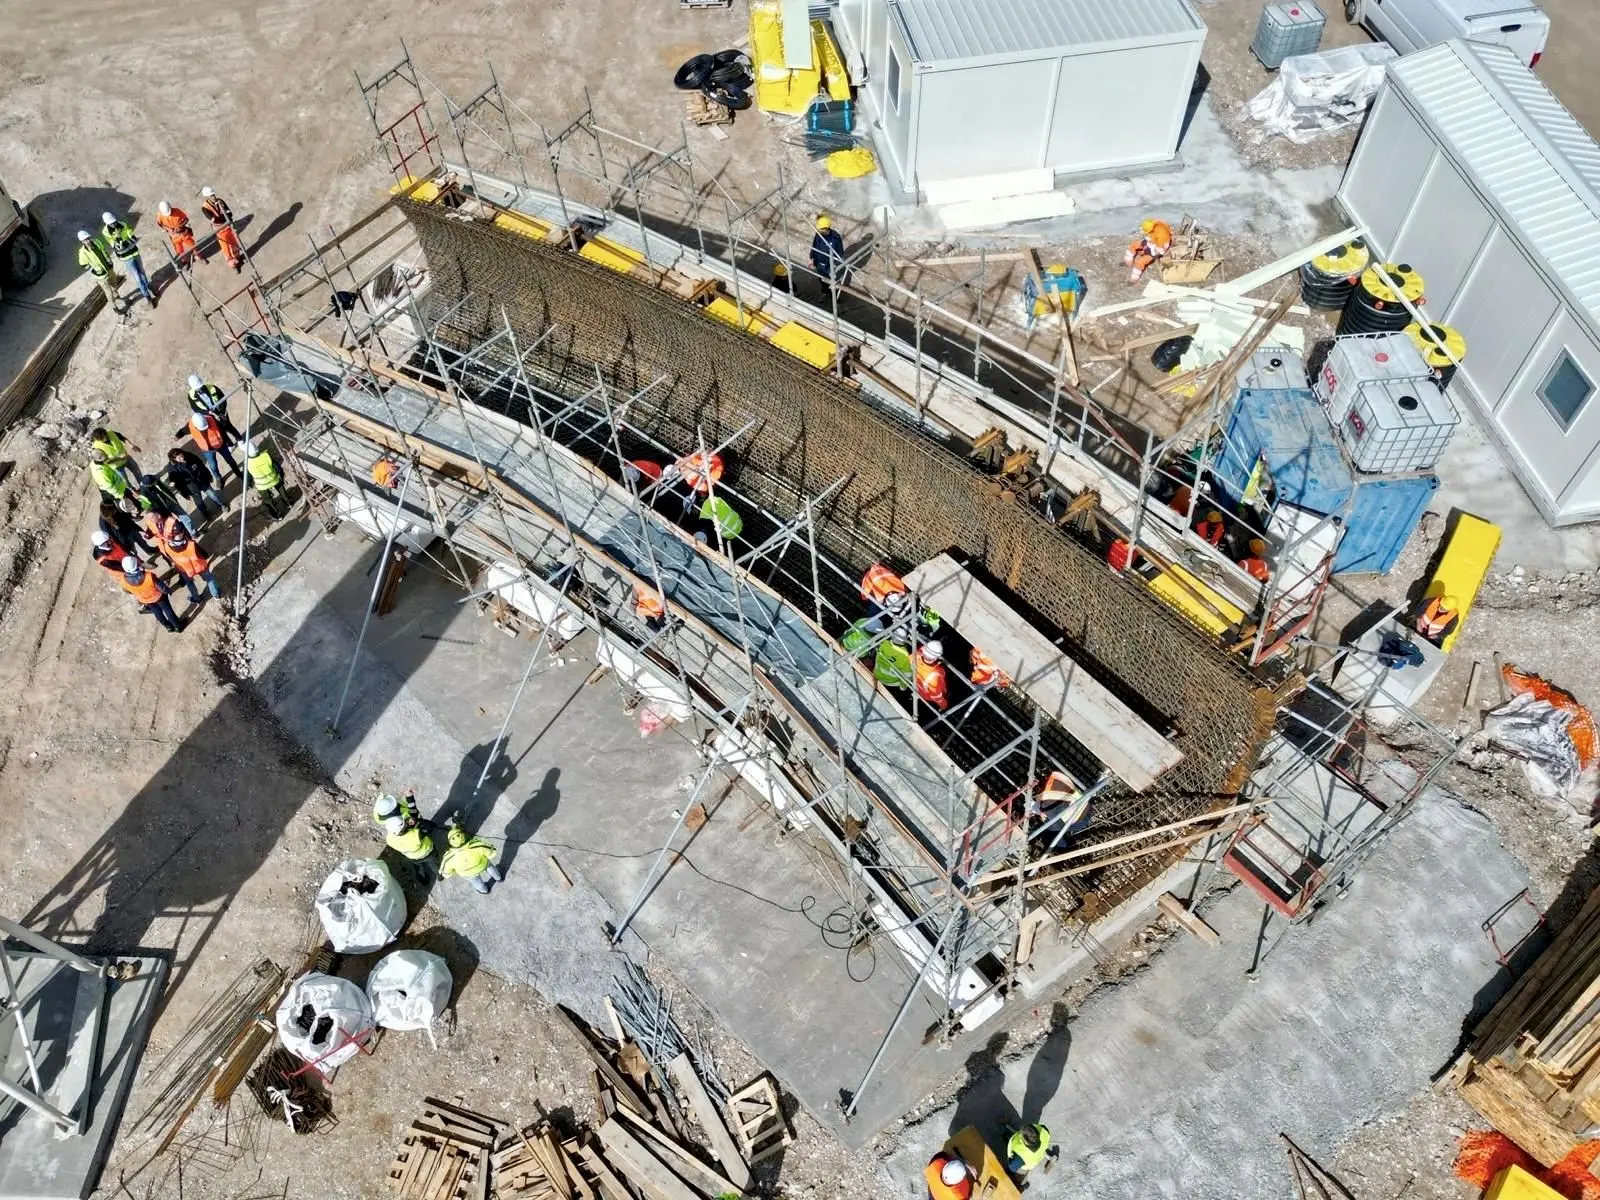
{"x": 1027, "y": 1148}
{"x": 267, "y": 478}
{"x": 404, "y": 831}
{"x": 470, "y": 858}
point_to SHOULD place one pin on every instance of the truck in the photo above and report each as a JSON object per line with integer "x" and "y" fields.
{"x": 1409, "y": 25}
{"x": 22, "y": 243}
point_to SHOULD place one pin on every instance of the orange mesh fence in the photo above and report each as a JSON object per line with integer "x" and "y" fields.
{"x": 1580, "y": 728}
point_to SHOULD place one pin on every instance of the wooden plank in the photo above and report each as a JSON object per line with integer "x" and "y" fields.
{"x": 563, "y": 881}
{"x": 619, "y": 1083}
{"x": 610, "y": 1185}
{"x": 1506, "y": 1103}
{"x": 700, "y": 1175}
{"x": 722, "y": 1143}
{"x": 1174, "y": 908}
{"x": 1262, "y": 276}
{"x": 1153, "y": 339}
{"x": 1057, "y": 685}
{"x": 653, "y": 1176}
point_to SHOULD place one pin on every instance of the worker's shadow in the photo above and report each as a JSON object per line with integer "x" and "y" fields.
{"x": 982, "y": 1101}
{"x": 535, "y": 811}
{"x": 1048, "y": 1065}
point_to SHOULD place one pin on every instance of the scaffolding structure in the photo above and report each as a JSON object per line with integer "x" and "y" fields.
{"x": 521, "y": 471}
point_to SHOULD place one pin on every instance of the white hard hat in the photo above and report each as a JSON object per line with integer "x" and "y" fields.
{"x": 394, "y": 825}
{"x": 386, "y": 804}
{"x": 207, "y": 192}
{"x": 250, "y": 449}
{"x": 200, "y": 420}
{"x": 130, "y": 564}
{"x": 196, "y": 383}
{"x": 108, "y": 218}
{"x": 933, "y": 651}
{"x": 953, "y": 1171}
{"x": 164, "y": 209}
{"x": 83, "y": 235}
{"x": 895, "y": 601}
{"x": 100, "y": 538}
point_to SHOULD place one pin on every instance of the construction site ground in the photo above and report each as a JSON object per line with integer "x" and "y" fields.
{"x": 181, "y": 793}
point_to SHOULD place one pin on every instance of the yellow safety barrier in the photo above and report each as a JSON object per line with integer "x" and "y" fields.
{"x": 1462, "y": 568}
{"x": 1184, "y": 592}
{"x": 805, "y": 345}
{"x": 834, "y": 76}
{"x": 725, "y": 310}
{"x": 521, "y": 223}
{"x": 607, "y": 253}
{"x": 427, "y": 193}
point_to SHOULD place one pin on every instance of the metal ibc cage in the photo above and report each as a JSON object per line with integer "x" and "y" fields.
{"x": 1390, "y": 413}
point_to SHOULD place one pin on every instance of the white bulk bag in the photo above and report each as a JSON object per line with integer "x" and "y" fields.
{"x": 409, "y": 989}
{"x": 361, "y": 906}
{"x": 322, "y": 1019}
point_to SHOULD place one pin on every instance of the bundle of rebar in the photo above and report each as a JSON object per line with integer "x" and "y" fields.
{"x": 646, "y": 1016}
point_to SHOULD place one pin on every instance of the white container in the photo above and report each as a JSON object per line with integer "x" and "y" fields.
{"x": 1383, "y": 402}
{"x": 1274, "y": 367}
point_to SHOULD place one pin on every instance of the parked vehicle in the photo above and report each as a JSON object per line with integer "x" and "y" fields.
{"x": 22, "y": 242}
{"x": 1409, "y": 25}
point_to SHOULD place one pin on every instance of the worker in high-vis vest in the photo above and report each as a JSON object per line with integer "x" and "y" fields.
{"x": 107, "y": 552}
{"x": 470, "y": 858}
{"x": 206, "y": 397}
{"x": 647, "y": 605}
{"x": 891, "y": 666}
{"x": 1254, "y": 564}
{"x": 124, "y": 245}
{"x": 150, "y": 592}
{"x": 879, "y": 583}
{"x": 184, "y": 552}
{"x": 1211, "y": 528}
{"x": 986, "y": 673}
{"x": 723, "y": 518}
{"x": 948, "y": 1177}
{"x": 404, "y": 831}
{"x": 1438, "y": 618}
{"x": 1154, "y": 242}
{"x": 112, "y": 481}
{"x": 118, "y": 449}
{"x": 386, "y": 472}
{"x": 1027, "y": 1148}
{"x": 699, "y": 470}
{"x": 267, "y": 478}
{"x": 212, "y": 443}
{"x": 94, "y": 256}
{"x": 174, "y": 223}
{"x": 929, "y": 675}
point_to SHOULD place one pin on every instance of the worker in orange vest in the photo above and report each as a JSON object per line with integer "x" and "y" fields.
{"x": 212, "y": 443}
{"x": 880, "y": 583}
{"x": 185, "y": 554}
{"x": 1210, "y": 528}
{"x": 647, "y": 605}
{"x": 386, "y": 472}
{"x": 1254, "y": 564}
{"x": 641, "y": 472}
{"x": 1439, "y": 618}
{"x": 699, "y": 470}
{"x": 928, "y": 673}
{"x": 948, "y": 1177}
{"x": 174, "y": 223}
{"x": 986, "y": 672}
{"x": 107, "y": 551}
{"x": 216, "y": 210}
{"x": 1154, "y": 244}
{"x": 150, "y": 592}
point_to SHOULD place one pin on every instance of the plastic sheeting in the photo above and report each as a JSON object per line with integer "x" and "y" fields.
{"x": 323, "y": 1020}
{"x": 361, "y": 907}
{"x": 409, "y": 989}
{"x": 1535, "y": 731}
{"x": 1314, "y": 94}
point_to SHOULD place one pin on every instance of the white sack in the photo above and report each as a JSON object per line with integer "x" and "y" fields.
{"x": 1313, "y": 94}
{"x": 1536, "y": 732}
{"x": 361, "y": 906}
{"x": 409, "y": 989}
{"x": 322, "y": 1018}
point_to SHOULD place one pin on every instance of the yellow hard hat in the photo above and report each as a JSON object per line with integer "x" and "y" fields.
{"x": 1257, "y": 547}
{"x": 1147, "y": 226}
{"x": 824, "y": 222}
{"x": 779, "y": 270}
{"x": 1449, "y": 604}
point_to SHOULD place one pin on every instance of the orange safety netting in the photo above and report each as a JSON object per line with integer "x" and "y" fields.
{"x": 1581, "y": 728}
{"x": 1484, "y": 1153}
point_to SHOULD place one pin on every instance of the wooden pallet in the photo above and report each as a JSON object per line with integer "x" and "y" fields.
{"x": 758, "y": 1120}
{"x": 700, "y": 109}
{"x": 445, "y": 1154}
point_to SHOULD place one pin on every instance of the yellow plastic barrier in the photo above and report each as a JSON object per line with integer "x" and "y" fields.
{"x": 528, "y": 227}
{"x": 1216, "y": 615}
{"x": 805, "y": 345}
{"x": 1516, "y": 1184}
{"x": 426, "y": 194}
{"x": 824, "y": 52}
{"x": 607, "y": 253}
{"x": 1462, "y": 568}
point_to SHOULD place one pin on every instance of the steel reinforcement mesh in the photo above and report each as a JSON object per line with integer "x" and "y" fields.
{"x": 907, "y": 499}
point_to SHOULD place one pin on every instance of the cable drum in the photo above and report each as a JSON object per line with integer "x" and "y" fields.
{"x": 695, "y": 73}
{"x": 1375, "y": 307}
{"x": 1328, "y": 279}
{"x": 1434, "y": 341}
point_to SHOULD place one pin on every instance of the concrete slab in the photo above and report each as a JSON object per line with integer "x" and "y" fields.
{"x": 740, "y": 918}
{"x": 1179, "y": 1086}
{"x": 37, "y": 1163}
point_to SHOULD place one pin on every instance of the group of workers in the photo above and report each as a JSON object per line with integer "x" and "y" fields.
{"x": 949, "y": 1176}
{"x": 410, "y": 835}
{"x": 142, "y": 514}
{"x": 113, "y": 252}
{"x": 1212, "y": 528}
{"x": 693, "y": 478}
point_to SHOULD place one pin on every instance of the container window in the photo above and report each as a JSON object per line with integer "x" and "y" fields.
{"x": 1566, "y": 390}
{"x": 894, "y": 80}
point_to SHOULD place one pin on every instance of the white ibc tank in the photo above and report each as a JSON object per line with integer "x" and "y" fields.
{"x": 1383, "y": 400}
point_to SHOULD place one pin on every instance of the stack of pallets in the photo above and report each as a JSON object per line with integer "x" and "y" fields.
{"x": 445, "y": 1154}
{"x": 1533, "y": 1067}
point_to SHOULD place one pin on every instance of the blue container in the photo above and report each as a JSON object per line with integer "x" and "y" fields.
{"x": 1382, "y": 519}
{"x": 1288, "y": 429}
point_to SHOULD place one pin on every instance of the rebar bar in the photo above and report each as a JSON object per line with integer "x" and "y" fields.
{"x": 646, "y": 1015}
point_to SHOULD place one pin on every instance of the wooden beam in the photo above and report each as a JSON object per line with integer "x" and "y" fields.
{"x": 1262, "y": 276}
{"x": 722, "y": 1143}
{"x": 618, "y": 1082}
{"x": 655, "y": 1179}
{"x": 961, "y": 260}
{"x": 1153, "y": 339}
{"x": 1174, "y": 908}
{"x": 702, "y": 1175}
{"x": 1061, "y": 689}
{"x": 1503, "y": 1100}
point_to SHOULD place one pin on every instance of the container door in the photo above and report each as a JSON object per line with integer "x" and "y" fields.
{"x": 988, "y": 120}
